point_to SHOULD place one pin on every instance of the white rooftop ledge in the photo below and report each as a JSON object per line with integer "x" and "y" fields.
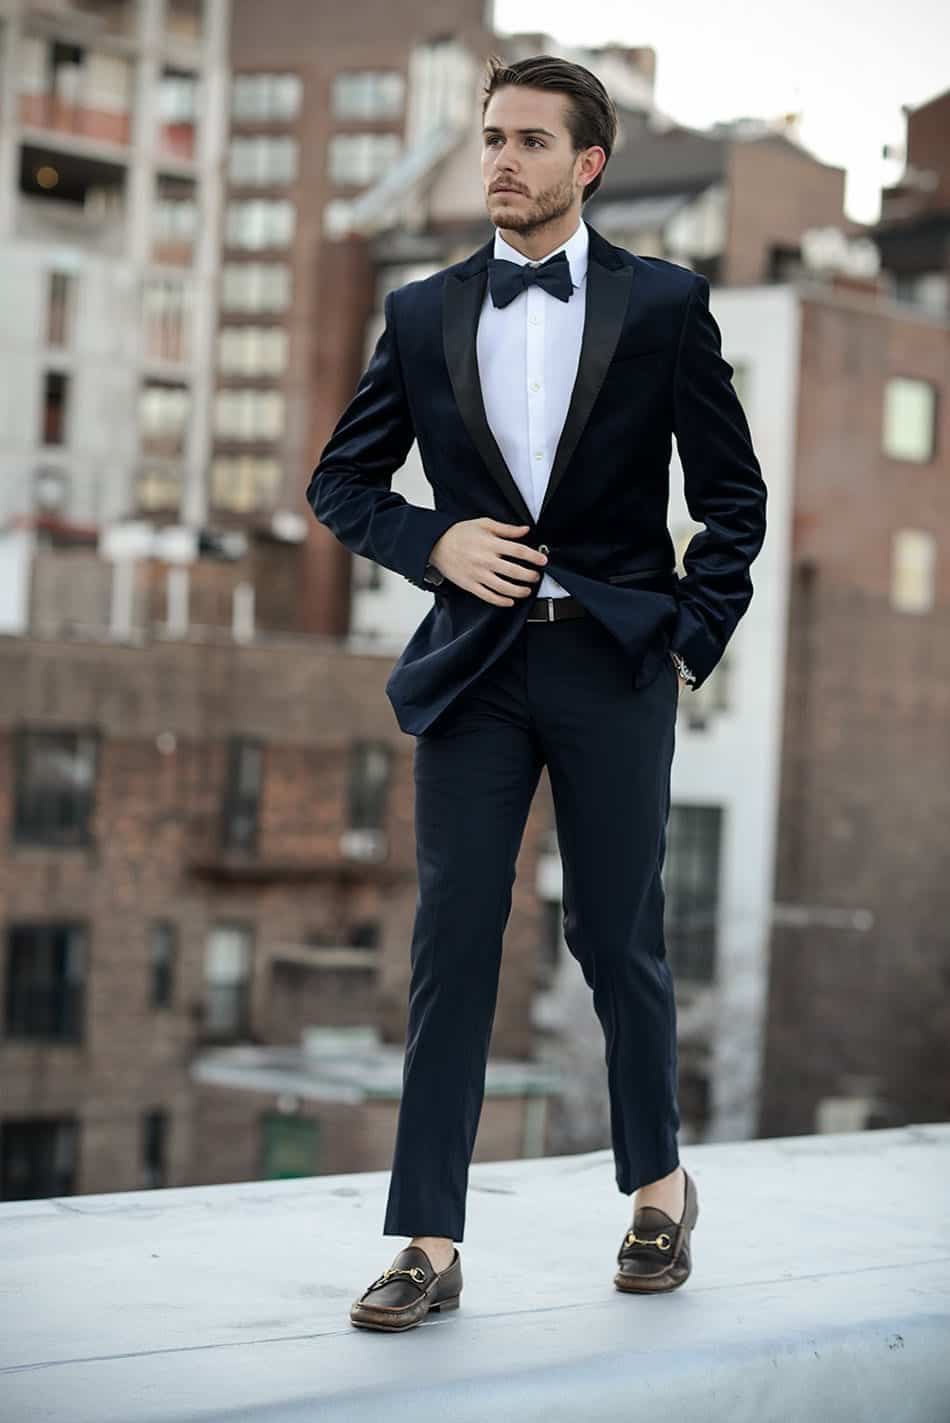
{"x": 820, "y": 1290}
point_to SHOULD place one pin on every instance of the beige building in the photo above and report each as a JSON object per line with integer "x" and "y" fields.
{"x": 111, "y": 134}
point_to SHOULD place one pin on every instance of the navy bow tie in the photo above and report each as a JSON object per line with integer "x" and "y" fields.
{"x": 507, "y": 279}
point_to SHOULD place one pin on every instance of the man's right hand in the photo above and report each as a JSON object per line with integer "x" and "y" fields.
{"x": 472, "y": 553}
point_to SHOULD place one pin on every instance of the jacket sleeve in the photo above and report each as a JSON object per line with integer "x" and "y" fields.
{"x": 350, "y": 489}
{"x": 724, "y": 490}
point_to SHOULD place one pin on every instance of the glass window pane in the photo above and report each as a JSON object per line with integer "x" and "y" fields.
{"x": 909, "y": 419}
{"x": 913, "y": 570}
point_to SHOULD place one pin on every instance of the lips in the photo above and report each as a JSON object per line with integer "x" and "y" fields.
{"x": 516, "y": 191}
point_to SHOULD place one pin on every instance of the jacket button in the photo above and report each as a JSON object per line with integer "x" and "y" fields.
{"x": 543, "y": 548}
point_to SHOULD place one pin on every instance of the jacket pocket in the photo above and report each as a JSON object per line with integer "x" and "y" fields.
{"x": 639, "y": 573}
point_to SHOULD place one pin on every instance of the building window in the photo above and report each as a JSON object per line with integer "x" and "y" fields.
{"x": 50, "y": 490}
{"x": 249, "y": 414}
{"x": 552, "y": 940}
{"x": 55, "y": 407}
{"x": 242, "y": 795}
{"x": 262, "y": 161}
{"x": 86, "y": 93}
{"x": 255, "y": 287}
{"x": 227, "y": 976}
{"x": 154, "y": 1144}
{"x": 290, "y": 1147}
{"x": 691, "y": 885}
{"x": 367, "y": 934}
{"x": 913, "y": 570}
{"x": 158, "y": 488}
{"x": 260, "y": 222}
{"x": 55, "y": 780}
{"x": 266, "y": 98}
{"x": 38, "y": 1159}
{"x": 165, "y": 319}
{"x": 245, "y": 484}
{"x": 910, "y": 419}
{"x": 368, "y": 94}
{"x": 252, "y": 350}
{"x": 162, "y": 956}
{"x": 175, "y": 222}
{"x": 60, "y": 300}
{"x": 46, "y": 968}
{"x": 163, "y": 418}
{"x": 183, "y": 20}
{"x": 177, "y": 113}
{"x": 368, "y": 789}
{"x": 359, "y": 158}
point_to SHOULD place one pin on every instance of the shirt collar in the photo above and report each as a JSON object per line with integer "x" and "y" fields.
{"x": 576, "y": 248}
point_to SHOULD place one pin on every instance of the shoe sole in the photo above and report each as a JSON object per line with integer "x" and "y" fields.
{"x": 443, "y": 1305}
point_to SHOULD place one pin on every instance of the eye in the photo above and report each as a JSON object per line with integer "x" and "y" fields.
{"x": 530, "y": 139}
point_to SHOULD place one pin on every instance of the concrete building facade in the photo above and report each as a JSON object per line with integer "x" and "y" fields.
{"x": 111, "y": 136}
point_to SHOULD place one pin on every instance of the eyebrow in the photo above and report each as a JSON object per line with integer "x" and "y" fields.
{"x": 492, "y": 128}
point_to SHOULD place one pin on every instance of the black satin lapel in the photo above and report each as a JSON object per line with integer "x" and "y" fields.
{"x": 461, "y": 304}
{"x": 608, "y": 291}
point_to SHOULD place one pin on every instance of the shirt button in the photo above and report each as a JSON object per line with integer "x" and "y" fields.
{"x": 539, "y": 454}
{"x": 535, "y": 320}
{"x": 535, "y": 385}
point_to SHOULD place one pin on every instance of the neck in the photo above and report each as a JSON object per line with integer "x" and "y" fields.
{"x": 536, "y": 245}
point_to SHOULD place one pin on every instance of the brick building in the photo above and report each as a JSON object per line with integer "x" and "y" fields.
{"x": 209, "y": 844}
{"x": 860, "y": 959}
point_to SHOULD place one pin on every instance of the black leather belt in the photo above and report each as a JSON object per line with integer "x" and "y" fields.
{"x": 552, "y": 610}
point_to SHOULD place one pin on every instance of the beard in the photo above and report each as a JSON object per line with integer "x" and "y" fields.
{"x": 532, "y": 214}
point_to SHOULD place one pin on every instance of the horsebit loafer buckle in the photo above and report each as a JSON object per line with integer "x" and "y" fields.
{"x": 633, "y": 1239}
{"x": 415, "y": 1273}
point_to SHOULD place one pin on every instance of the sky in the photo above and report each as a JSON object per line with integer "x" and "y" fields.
{"x": 846, "y": 66}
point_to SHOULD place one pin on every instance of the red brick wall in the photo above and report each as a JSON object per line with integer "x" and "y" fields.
{"x": 153, "y": 857}
{"x": 865, "y": 784}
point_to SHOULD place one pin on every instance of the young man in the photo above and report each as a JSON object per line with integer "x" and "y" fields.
{"x": 544, "y": 378}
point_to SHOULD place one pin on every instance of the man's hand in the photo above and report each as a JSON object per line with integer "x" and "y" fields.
{"x": 473, "y": 553}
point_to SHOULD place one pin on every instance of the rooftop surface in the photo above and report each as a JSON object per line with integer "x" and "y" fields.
{"x": 820, "y": 1291}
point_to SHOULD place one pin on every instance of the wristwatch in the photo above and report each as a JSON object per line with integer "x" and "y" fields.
{"x": 685, "y": 672}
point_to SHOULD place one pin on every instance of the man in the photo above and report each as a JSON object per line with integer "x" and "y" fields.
{"x": 544, "y": 377}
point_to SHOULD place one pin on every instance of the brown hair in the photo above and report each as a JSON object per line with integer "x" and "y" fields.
{"x": 590, "y": 113}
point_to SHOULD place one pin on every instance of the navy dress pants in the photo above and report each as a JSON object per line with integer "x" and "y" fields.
{"x": 560, "y": 696}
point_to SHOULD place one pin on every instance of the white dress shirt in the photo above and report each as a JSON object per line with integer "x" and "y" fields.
{"x": 528, "y": 354}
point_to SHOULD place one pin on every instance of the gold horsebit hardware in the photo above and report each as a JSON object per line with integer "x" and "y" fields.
{"x": 633, "y": 1239}
{"x": 415, "y": 1273}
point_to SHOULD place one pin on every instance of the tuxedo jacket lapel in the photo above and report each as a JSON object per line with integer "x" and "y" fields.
{"x": 608, "y": 287}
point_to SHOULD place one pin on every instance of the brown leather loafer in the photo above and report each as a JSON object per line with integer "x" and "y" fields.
{"x": 404, "y": 1294}
{"x": 655, "y": 1253}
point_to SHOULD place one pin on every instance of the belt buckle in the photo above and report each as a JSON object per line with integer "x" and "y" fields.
{"x": 551, "y": 615}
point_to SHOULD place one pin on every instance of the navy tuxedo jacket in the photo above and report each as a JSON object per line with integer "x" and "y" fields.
{"x": 650, "y": 367}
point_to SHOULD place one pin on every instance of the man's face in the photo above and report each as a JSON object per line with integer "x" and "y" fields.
{"x": 526, "y": 149}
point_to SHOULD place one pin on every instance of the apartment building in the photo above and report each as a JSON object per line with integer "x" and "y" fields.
{"x": 110, "y": 148}
{"x": 325, "y": 100}
{"x": 207, "y": 888}
{"x": 857, "y": 1030}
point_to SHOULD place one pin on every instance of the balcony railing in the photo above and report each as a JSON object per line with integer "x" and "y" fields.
{"x": 278, "y": 859}
{"x": 49, "y": 111}
{"x": 90, "y": 18}
{"x": 49, "y": 220}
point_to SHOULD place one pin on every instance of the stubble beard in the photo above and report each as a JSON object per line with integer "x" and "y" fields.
{"x": 546, "y": 208}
